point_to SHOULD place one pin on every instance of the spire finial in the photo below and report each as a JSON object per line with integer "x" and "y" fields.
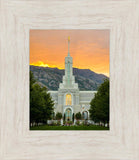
{"x": 69, "y": 46}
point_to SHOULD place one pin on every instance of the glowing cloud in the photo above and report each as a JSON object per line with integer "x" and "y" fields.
{"x": 40, "y": 63}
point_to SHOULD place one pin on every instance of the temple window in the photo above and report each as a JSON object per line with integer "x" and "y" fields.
{"x": 68, "y": 99}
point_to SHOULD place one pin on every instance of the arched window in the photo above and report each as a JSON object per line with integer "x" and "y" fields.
{"x": 68, "y": 99}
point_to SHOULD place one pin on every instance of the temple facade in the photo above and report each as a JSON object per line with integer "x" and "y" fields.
{"x": 69, "y": 100}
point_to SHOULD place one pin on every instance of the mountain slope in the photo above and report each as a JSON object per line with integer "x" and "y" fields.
{"x": 51, "y": 77}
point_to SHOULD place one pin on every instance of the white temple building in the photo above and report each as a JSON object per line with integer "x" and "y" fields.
{"x": 69, "y": 100}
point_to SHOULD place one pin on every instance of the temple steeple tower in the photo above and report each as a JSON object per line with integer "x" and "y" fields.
{"x": 68, "y": 78}
{"x": 68, "y": 63}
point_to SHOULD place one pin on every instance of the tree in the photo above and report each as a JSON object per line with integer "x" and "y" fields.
{"x": 78, "y": 115}
{"x": 64, "y": 117}
{"x": 73, "y": 117}
{"x": 99, "y": 110}
{"x": 32, "y": 81}
{"x": 41, "y": 104}
{"x": 58, "y": 115}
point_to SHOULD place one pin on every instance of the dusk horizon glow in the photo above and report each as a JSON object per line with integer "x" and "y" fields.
{"x": 89, "y": 49}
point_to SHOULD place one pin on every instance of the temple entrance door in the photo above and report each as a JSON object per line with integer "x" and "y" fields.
{"x": 68, "y": 114}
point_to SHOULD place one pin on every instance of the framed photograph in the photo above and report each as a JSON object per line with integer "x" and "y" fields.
{"x": 62, "y": 38}
{"x": 74, "y": 94}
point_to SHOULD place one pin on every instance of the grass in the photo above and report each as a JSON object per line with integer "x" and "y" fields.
{"x": 82, "y": 127}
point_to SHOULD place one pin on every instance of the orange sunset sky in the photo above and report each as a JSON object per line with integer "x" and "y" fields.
{"x": 89, "y": 49}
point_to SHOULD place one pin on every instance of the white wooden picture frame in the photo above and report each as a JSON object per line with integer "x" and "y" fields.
{"x": 121, "y": 142}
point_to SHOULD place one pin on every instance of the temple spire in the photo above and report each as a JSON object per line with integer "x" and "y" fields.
{"x": 68, "y": 46}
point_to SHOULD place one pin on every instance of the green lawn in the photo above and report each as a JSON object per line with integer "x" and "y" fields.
{"x": 46, "y": 127}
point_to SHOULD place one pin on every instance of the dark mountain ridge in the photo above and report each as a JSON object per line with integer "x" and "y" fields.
{"x": 51, "y": 77}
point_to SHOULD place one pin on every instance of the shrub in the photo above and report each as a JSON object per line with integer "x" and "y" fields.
{"x": 78, "y": 115}
{"x": 58, "y": 115}
{"x": 77, "y": 123}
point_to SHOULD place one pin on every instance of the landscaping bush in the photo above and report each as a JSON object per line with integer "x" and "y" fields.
{"x": 58, "y": 123}
{"x": 77, "y": 123}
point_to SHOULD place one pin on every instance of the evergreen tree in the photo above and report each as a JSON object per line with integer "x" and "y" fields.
{"x": 64, "y": 117}
{"x": 73, "y": 117}
{"x": 58, "y": 115}
{"x": 99, "y": 110}
{"x": 41, "y": 104}
{"x": 78, "y": 115}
